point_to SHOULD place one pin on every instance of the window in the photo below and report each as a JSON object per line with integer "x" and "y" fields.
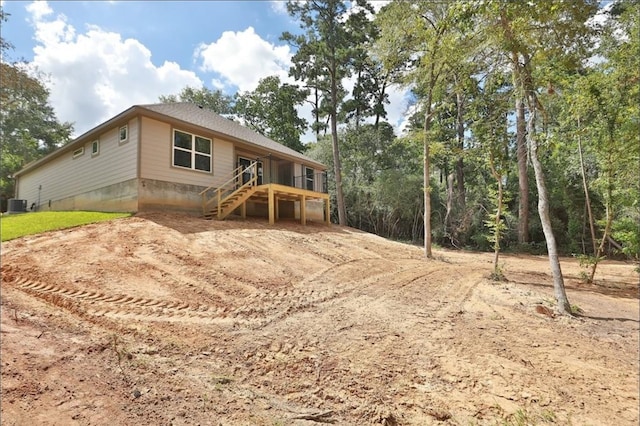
{"x": 124, "y": 134}
{"x": 191, "y": 151}
{"x": 78, "y": 152}
{"x": 309, "y": 177}
{"x": 95, "y": 148}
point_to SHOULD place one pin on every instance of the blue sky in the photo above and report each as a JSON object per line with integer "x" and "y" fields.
{"x": 103, "y": 57}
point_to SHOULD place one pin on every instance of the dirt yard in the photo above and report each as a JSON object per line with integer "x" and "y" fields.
{"x": 168, "y": 320}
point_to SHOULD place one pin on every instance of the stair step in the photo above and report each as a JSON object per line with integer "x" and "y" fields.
{"x": 231, "y": 202}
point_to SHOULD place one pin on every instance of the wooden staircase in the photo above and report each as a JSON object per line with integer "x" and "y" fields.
{"x": 226, "y": 198}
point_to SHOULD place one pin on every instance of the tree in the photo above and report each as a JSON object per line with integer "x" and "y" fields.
{"x": 600, "y": 106}
{"x": 322, "y": 60}
{"x": 29, "y": 128}
{"x": 542, "y": 39}
{"x": 4, "y": 44}
{"x": 365, "y": 156}
{"x": 369, "y": 94}
{"x": 213, "y": 100}
{"x": 271, "y": 110}
{"x": 418, "y": 39}
{"x": 490, "y": 129}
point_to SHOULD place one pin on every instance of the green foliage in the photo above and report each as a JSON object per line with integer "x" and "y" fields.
{"x": 29, "y": 128}
{"x": 587, "y": 263}
{"x": 323, "y": 53}
{"x": 599, "y": 108}
{"x": 498, "y": 274}
{"x": 368, "y": 97}
{"x": 575, "y": 309}
{"x": 20, "y": 225}
{"x": 271, "y": 110}
{"x": 214, "y": 100}
{"x": 495, "y": 221}
{"x": 626, "y": 230}
{"x": 5, "y": 45}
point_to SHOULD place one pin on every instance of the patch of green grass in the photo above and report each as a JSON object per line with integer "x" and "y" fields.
{"x": 524, "y": 417}
{"x": 575, "y": 309}
{"x": 20, "y": 225}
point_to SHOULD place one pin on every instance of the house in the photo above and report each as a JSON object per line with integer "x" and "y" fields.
{"x": 177, "y": 157}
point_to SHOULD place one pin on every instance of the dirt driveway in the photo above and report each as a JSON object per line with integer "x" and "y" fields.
{"x": 168, "y": 320}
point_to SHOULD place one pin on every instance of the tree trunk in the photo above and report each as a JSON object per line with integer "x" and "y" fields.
{"x": 497, "y": 219}
{"x": 523, "y": 178}
{"x": 563, "y": 307}
{"x": 608, "y": 214}
{"x": 427, "y": 185}
{"x": 358, "y": 105}
{"x": 598, "y": 255}
{"x": 337, "y": 166}
{"x": 449, "y": 206}
{"x": 380, "y": 101}
{"x": 586, "y": 194}
{"x": 460, "y": 161}
{"x": 316, "y": 109}
{"x": 520, "y": 88}
{"x": 496, "y": 244}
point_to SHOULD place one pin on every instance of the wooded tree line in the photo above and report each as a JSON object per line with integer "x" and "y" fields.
{"x": 502, "y": 91}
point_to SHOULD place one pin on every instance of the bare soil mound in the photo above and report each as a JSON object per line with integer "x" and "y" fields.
{"x": 165, "y": 319}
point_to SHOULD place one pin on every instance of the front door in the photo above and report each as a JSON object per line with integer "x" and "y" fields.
{"x": 247, "y": 172}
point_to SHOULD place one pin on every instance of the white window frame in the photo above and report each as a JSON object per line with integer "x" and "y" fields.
{"x": 307, "y": 179}
{"x": 78, "y": 152}
{"x": 95, "y": 147}
{"x": 126, "y": 134}
{"x": 192, "y": 152}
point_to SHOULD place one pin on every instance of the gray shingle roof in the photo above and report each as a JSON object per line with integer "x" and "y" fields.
{"x": 194, "y": 114}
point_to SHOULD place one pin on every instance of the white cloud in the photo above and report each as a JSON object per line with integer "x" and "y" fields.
{"x": 379, "y": 4}
{"x": 243, "y": 58}
{"x": 279, "y": 7}
{"x": 398, "y": 113}
{"x": 217, "y": 84}
{"x": 39, "y": 9}
{"x": 96, "y": 75}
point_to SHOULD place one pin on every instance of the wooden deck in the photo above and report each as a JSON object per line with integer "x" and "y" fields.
{"x": 272, "y": 193}
{"x": 229, "y": 196}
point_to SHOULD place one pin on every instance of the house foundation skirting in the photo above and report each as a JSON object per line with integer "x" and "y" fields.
{"x": 119, "y": 197}
{"x": 157, "y": 195}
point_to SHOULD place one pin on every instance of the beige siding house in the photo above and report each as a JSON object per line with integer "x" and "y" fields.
{"x": 177, "y": 157}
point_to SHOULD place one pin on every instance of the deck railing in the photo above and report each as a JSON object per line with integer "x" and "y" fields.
{"x": 219, "y": 193}
{"x": 229, "y": 187}
{"x": 318, "y": 183}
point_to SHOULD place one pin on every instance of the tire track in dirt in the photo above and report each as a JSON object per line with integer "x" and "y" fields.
{"x": 312, "y": 291}
{"x": 310, "y": 355}
{"x": 119, "y": 306}
{"x": 256, "y": 311}
{"x": 260, "y": 309}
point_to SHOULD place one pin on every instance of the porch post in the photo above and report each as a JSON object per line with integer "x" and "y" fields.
{"x": 303, "y": 209}
{"x": 243, "y": 210}
{"x": 328, "y": 211}
{"x": 271, "y": 206}
{"x": 276, "y": 207}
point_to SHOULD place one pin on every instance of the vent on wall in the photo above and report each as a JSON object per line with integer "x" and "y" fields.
{"x": 78, "y": 152}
